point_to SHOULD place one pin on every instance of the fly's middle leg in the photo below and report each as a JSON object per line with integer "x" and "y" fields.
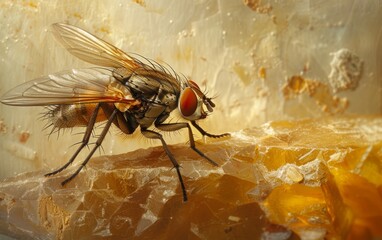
{"x": 154, "y": 135}
{"x": 178, "y": 126}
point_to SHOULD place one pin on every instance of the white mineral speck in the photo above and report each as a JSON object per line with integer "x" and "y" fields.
{"x": 346, "y": 70}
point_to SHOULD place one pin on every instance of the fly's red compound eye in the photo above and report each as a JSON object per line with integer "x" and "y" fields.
{"x": 188, "y": 102}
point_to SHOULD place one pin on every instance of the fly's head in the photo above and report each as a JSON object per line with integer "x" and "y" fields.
{"x": 192, "y": 102}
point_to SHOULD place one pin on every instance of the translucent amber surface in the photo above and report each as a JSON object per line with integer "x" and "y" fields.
{"x": 308, "y": 179}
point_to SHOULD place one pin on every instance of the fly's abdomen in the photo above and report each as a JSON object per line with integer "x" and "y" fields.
{"x": 73, "y": 115}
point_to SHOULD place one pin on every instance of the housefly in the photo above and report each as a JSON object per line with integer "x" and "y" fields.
{"x": 123, "y": 90}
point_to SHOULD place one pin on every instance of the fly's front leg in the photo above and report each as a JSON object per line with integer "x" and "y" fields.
{"x": 84, "y": 142}
{"x": 178, "y": 126}
{"x": 154, "y": 135}
{"x": 97, "y": 144}
{"x": 204, "y": 133}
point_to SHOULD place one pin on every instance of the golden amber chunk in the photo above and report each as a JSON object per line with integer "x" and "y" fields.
{"x": 308, "y": 179}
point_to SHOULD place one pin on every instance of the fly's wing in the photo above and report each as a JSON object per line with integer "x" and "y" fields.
{"x": 92, "y": 85}
{"x": 91, "y": 49}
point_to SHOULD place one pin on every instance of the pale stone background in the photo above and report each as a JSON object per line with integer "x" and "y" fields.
{"x": 221, "y": 44}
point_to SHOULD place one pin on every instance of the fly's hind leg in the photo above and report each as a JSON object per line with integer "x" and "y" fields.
{"x": 97, "y": 145}
{"x": 154, "y": 135}
{"x": 84, "y": 142}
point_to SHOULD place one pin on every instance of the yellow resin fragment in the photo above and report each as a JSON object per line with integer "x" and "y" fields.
{"x": 294, "y": 174}
{"x": 363, "y": 198}
{"x": 341, "y": 215}
{"x": 297, "y": 207}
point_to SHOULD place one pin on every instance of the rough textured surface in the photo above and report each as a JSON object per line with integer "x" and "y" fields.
{"x": 309, "y": 179}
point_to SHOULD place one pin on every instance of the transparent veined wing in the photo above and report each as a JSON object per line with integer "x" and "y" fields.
{"x": 91, "y": 85}
{"x": 91, "y": 49}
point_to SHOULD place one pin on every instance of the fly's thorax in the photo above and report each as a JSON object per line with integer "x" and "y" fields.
{"x": 151, "y": 114}
{"x": 73, "y": 115}
{"x": 122, "y": 74}
{"x": 155, "y": 109}
{"x": 158, "y": 94}
{"x": 154, "y": 90}
{"x": 149, "y": 82}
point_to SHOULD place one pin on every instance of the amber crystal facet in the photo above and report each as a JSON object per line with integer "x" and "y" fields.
{"x": 308, "y": 179}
